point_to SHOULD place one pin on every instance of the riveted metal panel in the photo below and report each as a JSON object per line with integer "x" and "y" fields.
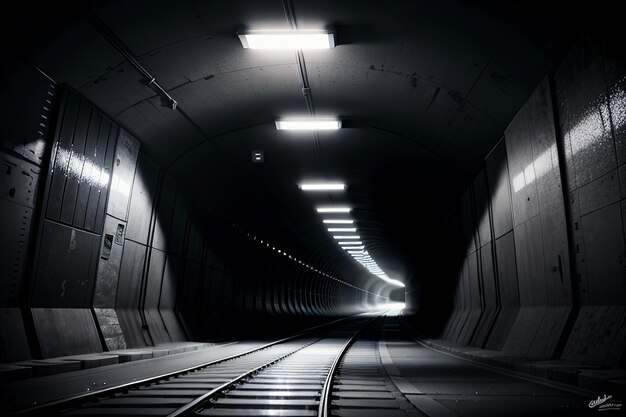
{"x": 59, "y": 164}
{"x": 599, "y": 193}
{"x": 605, "y": 250}
{"x": 508, "y": 291}
{"x": 154, "y": 282}
{"x": 615, "y": 75}
{"x": 98, "y": 191}
{"x": 176, "y": 238}
{"x": 597, "y": 336}
{"x": 584, "y": 113}
{"x": 109, "y": 262}
{"x": 165, "y": 209}
{"x": 530, "y": 263}
{"x": 25, "y": 118}
{"x": 524, "y": 329}
{"x": 103, "y": 188}
{"x": 88, "y": 170}
{"x": 13, "y": 342}
{"x": 469, "y": 225}
{"x": 522, "y": 171}
{"x": 554, "y": 237}
{"x": 489, "y": 296}
{"x": 142, "y": 199}
{"x": 129, "y": 293}
{"x": 75, "y": 163}
{"x": 499, "y": 190}
{"x": 481, "y": 199}
{"x": 167, "y": 302}
{"x": 76, "y": 325}
{"x": 66, "y": 267}
{"x": 124, "y": 165}
{"x": 18, "y": 180}
{"x": 15, "y": 223}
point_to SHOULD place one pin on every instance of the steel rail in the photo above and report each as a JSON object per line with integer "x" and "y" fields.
{"x": 56, "y": 406}
{"x": 325, "y": 397}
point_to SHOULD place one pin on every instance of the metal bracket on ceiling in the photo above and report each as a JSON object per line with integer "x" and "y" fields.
{"x": 117, "y": 43}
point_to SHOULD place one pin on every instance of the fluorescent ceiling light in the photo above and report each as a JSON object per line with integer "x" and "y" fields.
{"x": 308, "y": 124}
{"x": 287, "y": 39}
{"x": 352, "y": 237}
{"x": 333, "y": 209}
{"x": 336, "y": 221}
{"x": 352, "y": 247}
{"x": 342, "y": 229}
{"x": 351, "y": 243}
{"x": 323, "y": 186}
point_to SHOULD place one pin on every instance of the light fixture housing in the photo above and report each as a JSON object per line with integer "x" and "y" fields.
{"x": 308, "y": 124}
{"x": 333, "y": 209}
{"x": 287, "y": 39}
{"x": 322, "y": 186}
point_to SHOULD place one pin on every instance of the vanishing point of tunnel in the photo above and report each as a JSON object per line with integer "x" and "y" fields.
{"x": 312, "y": 208}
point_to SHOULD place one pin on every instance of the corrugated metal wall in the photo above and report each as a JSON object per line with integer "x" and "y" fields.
{"x": 122, "y": 256}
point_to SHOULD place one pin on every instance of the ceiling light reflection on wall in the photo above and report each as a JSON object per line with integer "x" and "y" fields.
{"x": 308, "y": 124}
{"x": 287, "y": 39}
{"x": 323, "y": 186}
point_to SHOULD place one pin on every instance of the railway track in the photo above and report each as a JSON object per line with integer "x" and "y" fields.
{"x": 285, "y": 377}
{"x": 305, "y": 375}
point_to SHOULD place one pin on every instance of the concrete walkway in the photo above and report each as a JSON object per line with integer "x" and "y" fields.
{"x": 442, "y": 385}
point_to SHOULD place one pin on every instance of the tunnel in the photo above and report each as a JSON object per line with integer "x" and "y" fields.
{"x": 297, "y": 207}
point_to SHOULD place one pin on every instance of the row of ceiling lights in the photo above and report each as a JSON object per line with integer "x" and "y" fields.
{"x": 345, "y": 235}
{"x": 344, "y": 232}
{"x": 293, "y": 40}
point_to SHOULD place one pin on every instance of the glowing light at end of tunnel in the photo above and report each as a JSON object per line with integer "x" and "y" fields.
{"x": 391, "y": 306}
{"x": 287, "y": 39}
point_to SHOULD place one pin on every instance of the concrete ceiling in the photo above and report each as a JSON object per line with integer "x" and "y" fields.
{"x": 425, "y": 89}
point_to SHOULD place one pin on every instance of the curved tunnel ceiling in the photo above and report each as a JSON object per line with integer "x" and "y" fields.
{"x": 425, "y": 89}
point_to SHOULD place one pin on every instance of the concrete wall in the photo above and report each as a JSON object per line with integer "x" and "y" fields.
{"x": 527, "y": 285}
